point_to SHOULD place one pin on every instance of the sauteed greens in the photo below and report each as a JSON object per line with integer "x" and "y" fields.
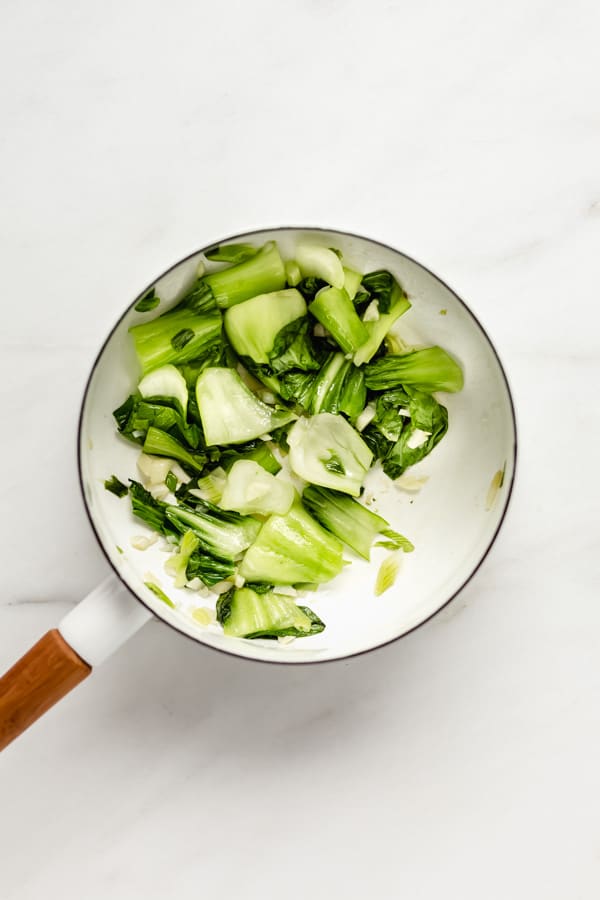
{"x": 266, "y": 395}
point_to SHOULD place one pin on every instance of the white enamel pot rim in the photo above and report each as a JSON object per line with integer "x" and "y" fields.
{"x": 376, "y": 621}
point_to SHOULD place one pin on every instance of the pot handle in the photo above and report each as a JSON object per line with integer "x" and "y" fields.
{"x": 63, "y": 657}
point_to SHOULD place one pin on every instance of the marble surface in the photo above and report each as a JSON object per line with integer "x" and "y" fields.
{"x": 461, "y": 761}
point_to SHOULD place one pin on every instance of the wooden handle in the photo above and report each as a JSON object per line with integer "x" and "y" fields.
{"x": 36, "y": 682}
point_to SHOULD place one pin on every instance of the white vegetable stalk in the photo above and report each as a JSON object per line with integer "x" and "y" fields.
{"x": 166, "y": 381}
{"x": 154, "y": 469}
{"x": 326, "y": 450}
{"x": 372, "y": 312}
{"x": 230, "y": 413}
{"x": 221, "y": 587}
{"x": 181, "y": 476}
{"x": 159, "y": 491}
{"x": 251, "y": 489}
{"x": 417, "y": 438}
{"x": 365, "y": 417}
{"x": 286, "y": 590}
{"x": 320, "y": 262}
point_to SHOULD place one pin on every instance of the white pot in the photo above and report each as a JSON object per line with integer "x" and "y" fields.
{"x": 452, "y": 521}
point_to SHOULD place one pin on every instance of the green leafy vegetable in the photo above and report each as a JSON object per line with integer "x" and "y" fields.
{"x": 256, "y": 274}
{"x": 157, "y": 342}
{"x": 297, "y": 386}
{"x": 183, "y": 337}
{"x": 165, "y": 384}
{"x": 427, "y": 416}
{"x": 377, "y": 442}
{"x": 395, "y": 541}
{"x": 223, "y": 607}
{"x": 352, "y": 281}
{"x": 158, "y": 592}
{"x": 383, "y": 287}
{"x": 292, "y": 548}
{"x": 250, "y": 489}
{"x": 293, "y": 275}
{"x": 225, "y": 374}
{"x": 378, "y": 329}
{"x": 221, "y": 534}
{"x": 247, "y": 613}
{"x": 149, "y": 509}
{"x": 123, "y": 413}
{"x": 177, "y": 564}
{"x": 387, "y": 574}
{"x": 361, "y": 300}
{"x": 338, "y": 387}
{"x": 147, "y": 302}
{"x": 431, "y": 369}
{"x": 309, "y": 287}
{"x": 199, "y": 299}
{"x": 262, "y": 272}
{"x": 392, "y": 413}
{"x": 320, "y": 262}
{"x": 257, "y": 451}
{"x": 208, "y": 568}
{"x": 325, "y": 389}
{"x": 253, "y": 326}
{"x": 115, "y": 486}
{"x": 210, "y": 486}
{"x": 293, "y": 349}
{"x": 320, "y": 437}
{"x": 316, "y": 393}
{"x": 232, "y": 253}
{"x": 408, "y": 424}
{"x": 259, "y": 587}
{"x": 345, "y": 517}
{"x": 279, "y": 437}
{"x": 220, "y": 354}
{"x": 230, "y": 412}
{"x": 333, "y": 463}
{"x": 335, "y": 311}
{"x": 395, "y": 345}
{"x": 160, "y": 443}
{"x": 136, "y": 416}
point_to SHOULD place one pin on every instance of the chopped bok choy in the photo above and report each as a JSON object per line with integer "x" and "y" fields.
{"x": 326, "y": 450}
{"x": 230, "y": 412}
{"x": 335, "y": 311}
{"x": 320, "y": 262}
{"x": 253, "y": 326}
{"x": 253, "y": 274}
{"x": 165, "y": 384}
{"x": 250, "y": 489}
{"x": 264, "y": 364}
{"x": 345, "y": 517}
{"x": 222, "y": 534}
{"x": 430, "y": 369}
{"x": 246, "y": 613}
{"x": 175, "y": 337}
{"x": 291, "y": 549}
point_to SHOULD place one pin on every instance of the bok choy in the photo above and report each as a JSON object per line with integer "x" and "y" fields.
{"x": 264, "y": 367}
{"x": 249, "y": 614}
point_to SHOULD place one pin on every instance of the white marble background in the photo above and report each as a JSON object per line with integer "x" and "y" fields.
{"x": 464, "y": 760}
